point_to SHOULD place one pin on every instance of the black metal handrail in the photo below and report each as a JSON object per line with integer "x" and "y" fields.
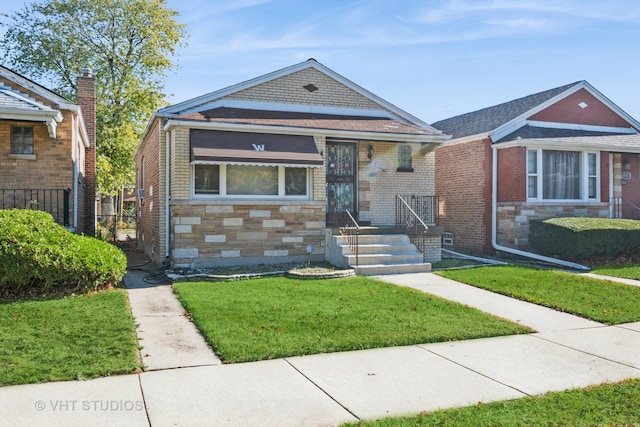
{"x": 350, "y": 230}
{"x": 54, "y": 201}
{"x": 414, "y": 227}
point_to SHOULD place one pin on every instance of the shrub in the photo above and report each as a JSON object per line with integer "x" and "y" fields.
{"x": 581, "y": 238}
{"x": 40, "y": 257}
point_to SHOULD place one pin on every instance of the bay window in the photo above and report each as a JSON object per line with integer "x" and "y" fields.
{"x": 238, "y": 180}
{"x": 562, "y": 175}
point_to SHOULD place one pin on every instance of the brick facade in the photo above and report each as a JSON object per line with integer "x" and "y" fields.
{"x": 463, "y": 187}
{"x": 54, "y": 160}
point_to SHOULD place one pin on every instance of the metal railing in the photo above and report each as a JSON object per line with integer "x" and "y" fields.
{"x": 426, "y": 207}
{"x": 54, "y": 201}
{"x": 617, "y": 205}
{"x": 116, "y": 228}
{"x": 412, "y": 225}
{"x": 350, "y": 231}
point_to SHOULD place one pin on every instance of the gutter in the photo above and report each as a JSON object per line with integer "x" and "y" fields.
{"x": 494, "y": 224}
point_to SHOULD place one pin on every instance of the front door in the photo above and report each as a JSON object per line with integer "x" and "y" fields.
{"x": 341, "y": 181}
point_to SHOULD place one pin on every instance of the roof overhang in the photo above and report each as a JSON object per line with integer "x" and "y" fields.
{"x": 330, "y": 133}
{"x": 208, "y": 146}
{"x": 49, "y": 117}
{"x": 614, "y": 143}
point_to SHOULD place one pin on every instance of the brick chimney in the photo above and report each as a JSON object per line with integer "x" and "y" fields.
{"x": 86, "y": 84}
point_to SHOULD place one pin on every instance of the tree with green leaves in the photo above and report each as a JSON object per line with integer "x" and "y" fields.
{"x": 128, "y": 45}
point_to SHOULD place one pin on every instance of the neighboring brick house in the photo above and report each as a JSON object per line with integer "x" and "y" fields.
{"x": 258, "y": 172}
{"x": 567, "y": 151}
{"x": 47, "y": 150}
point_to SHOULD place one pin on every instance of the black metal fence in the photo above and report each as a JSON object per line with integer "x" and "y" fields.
{"x": 57, "y": 202}
{"x": 116, "y": 228}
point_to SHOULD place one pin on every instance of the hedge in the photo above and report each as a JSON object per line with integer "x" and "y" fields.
{"x": 40, "y": 257}
{"x": 580, "y": 238}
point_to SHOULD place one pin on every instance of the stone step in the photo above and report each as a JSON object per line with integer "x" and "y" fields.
{"x": 384, "y": 258}
{"x": 382, "y": 269}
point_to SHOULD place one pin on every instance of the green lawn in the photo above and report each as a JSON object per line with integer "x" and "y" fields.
{"x": 625, "y": 271}
{"x": 594, "y": 299}
{"x": 66, "y": 339}
{"x": 278, "y": 317}
{"x": 604, "y": 405}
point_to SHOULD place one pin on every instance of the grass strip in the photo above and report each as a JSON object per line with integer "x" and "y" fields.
{"x": 599, "y": 300}
{"x": 71, "y": 338}
{"x": 278, "y": 317}
{"x": 602, "y": 405}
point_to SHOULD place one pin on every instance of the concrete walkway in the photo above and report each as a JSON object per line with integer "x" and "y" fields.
{"x": 328, "y": 389}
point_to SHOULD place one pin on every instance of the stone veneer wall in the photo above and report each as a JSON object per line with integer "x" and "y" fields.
{"x": 224, "y": 233}
{"x": 513, "y": 219}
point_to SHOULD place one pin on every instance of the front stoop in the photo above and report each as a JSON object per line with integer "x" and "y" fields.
{"x": 380, "y": 254}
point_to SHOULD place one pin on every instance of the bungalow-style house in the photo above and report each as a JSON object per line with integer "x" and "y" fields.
{"x": 262, "y": 171}
{"x": 47, "y": 150}
{"x": 567, "y": 151}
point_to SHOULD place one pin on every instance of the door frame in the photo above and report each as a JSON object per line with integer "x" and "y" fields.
{"x": 332, "y": 218}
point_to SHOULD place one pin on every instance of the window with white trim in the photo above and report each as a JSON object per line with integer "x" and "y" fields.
{"x": 239, "y": 180}
{"x": 562, "y": 175}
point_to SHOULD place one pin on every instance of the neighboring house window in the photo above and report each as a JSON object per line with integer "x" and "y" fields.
{"x": 562, "y": 175}
{"x": 404, "y": 158}
{"x": 21, "y": 140}
{"x": 250, "y": 180}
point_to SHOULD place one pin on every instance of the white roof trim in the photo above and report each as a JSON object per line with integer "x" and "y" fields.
{"x": 550, "y": 143}
{"x": 204, "y": 100}
{"x": 518, "y": 122}
{"x": 589, "y": 128}
{"x": 35, "y": 88}
{"x": 289, "y": 130}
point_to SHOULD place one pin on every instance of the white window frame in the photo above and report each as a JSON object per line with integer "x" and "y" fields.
{"x": 223, "y": 185}
{"x": 584, "y": 176}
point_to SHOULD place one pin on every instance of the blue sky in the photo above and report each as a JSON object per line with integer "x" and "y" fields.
{"x": 432, "y": 58}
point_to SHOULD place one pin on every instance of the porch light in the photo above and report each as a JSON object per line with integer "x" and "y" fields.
{"x": 370, "y": 152}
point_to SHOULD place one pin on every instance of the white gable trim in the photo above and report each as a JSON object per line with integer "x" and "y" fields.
{"x": 63, "y": 103}
{"x": 294, "y": 108}
{"x": 520, "y": 121}
{"x": 573, "y": 126}
{"x": 196, "y": 104}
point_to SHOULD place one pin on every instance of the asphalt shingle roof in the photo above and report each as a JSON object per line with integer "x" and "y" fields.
{"x": 307, "y": 120}
{"x": 490, "y": 118}
{"x": 533, "y": 132}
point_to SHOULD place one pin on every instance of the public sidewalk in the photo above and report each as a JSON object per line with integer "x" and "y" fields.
{"x": 328, "y": 389}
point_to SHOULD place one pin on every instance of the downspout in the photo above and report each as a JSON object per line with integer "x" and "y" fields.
{"x": 167, "y": 193}
{"x": 494, "y": 224}
{"x": 75, "y": 153}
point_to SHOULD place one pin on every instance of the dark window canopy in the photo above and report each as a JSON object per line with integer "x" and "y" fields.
{"x": 254, "y": 148}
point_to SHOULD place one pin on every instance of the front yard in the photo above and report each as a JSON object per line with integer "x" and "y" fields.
{"x": 279, "y": 317}
{"x": 68, "y": 338}
{"x": 594, "y": 299}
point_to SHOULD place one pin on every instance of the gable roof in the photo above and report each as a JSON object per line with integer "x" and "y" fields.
{"x": 487, "y": 119}
{"x": 214, "y": 100}
{"x": 503, "y": 119}
{"x": 34, "y": 87}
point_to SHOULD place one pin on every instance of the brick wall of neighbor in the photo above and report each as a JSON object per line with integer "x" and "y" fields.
{"x": 513, "y": 219}
{"x": 289, "y": 90}
{"x": 220, "y": 233}
{"x": 150, "y": 210}
{"x": 380, "y": 182}
{"x": 463, "y": 187}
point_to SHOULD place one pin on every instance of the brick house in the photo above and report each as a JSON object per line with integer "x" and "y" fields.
{"x": 261, "y": 171}
{"x": 47, "y": 150}
{"x": 567, "y": 151}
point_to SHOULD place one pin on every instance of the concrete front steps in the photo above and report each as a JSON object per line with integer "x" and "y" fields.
{"x": 380, "y": 254}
